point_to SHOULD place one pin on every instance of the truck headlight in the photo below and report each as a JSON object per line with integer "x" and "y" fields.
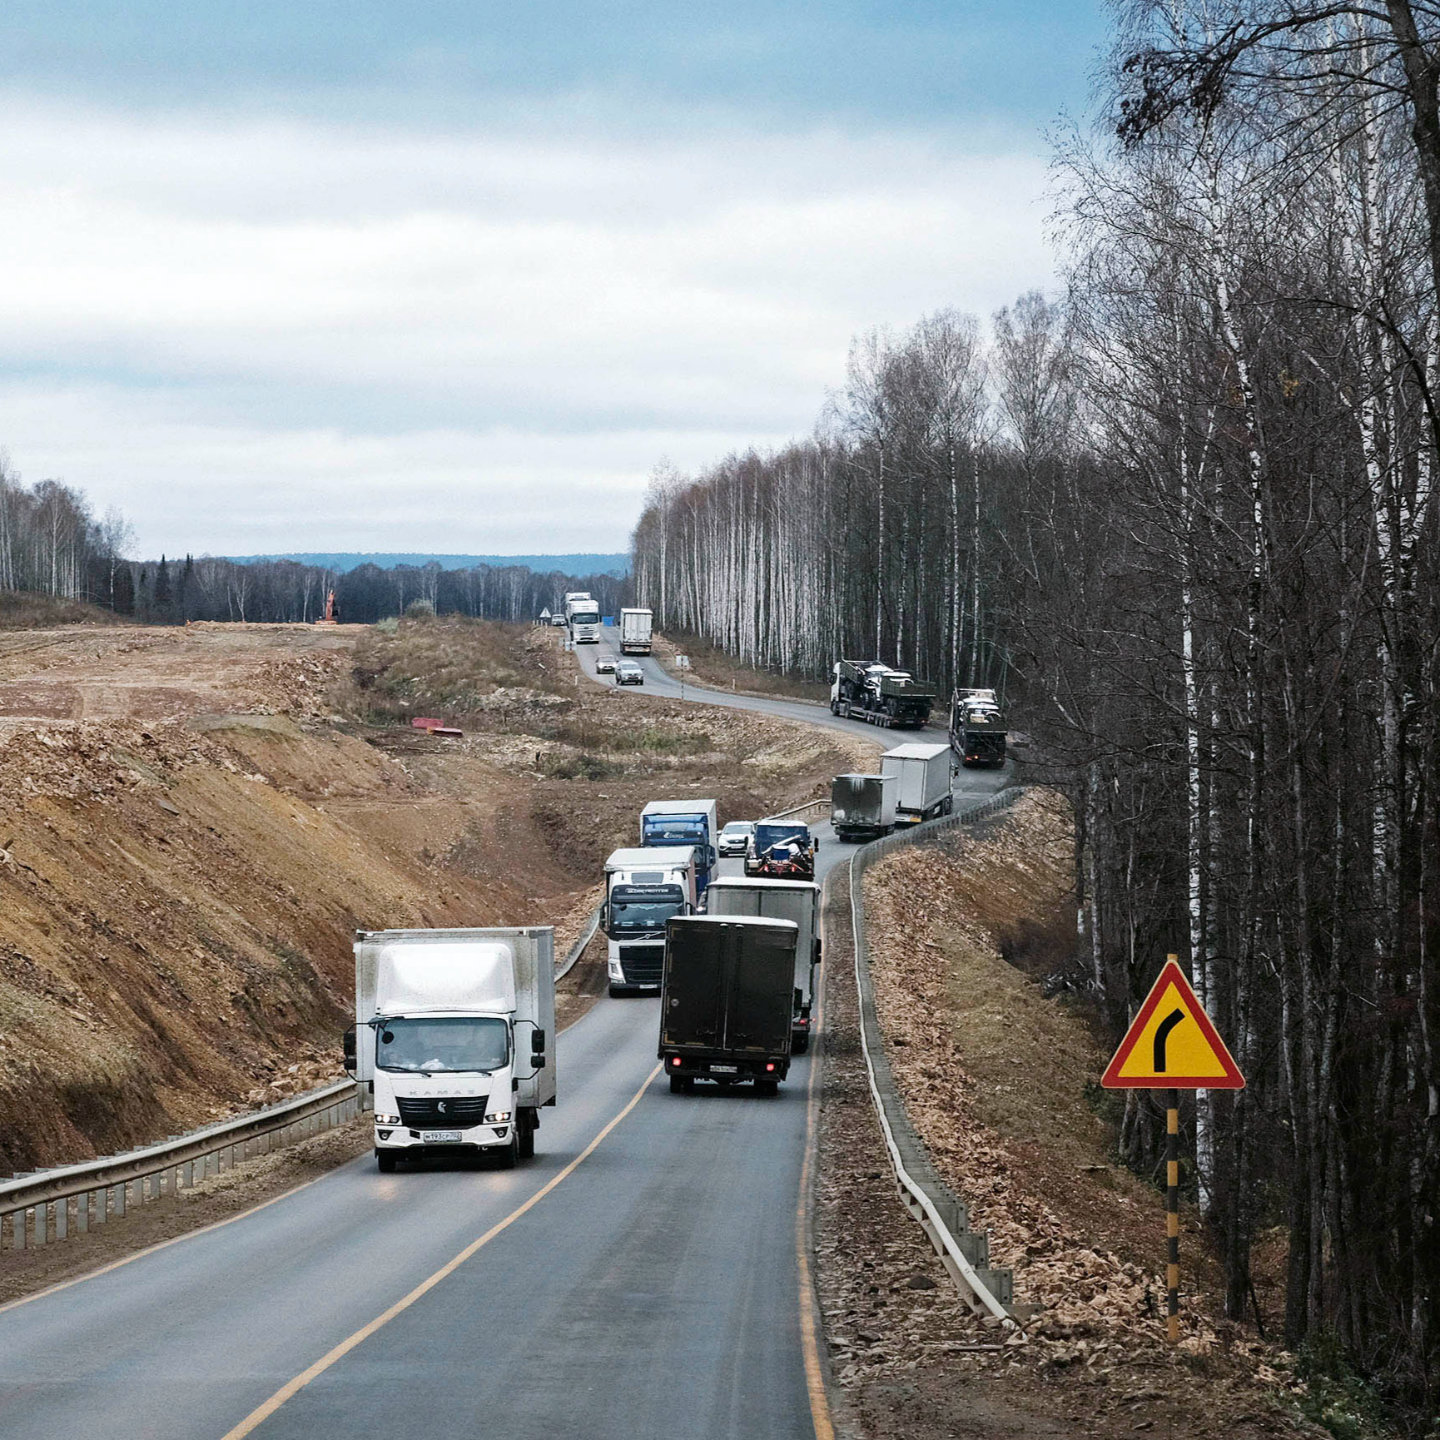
{"x": 837, "y": 814}
{"x": 616, "y": 973}
{"x": 497, "y": 1117}
{"x": 387, "y": 1119}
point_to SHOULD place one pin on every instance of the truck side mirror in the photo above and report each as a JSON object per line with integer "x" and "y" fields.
{"x": 537, "y": 1042}
{"x": 817, "y": 949}
{"x": 538, "y": 1061}
{"x": 348, "y": 1044}
{"x": 605, "y": 916}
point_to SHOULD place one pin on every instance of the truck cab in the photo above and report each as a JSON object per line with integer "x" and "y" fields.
{"x": 449, "y": 1041}
{"x": 783, "y": 850}
{"x": 643, "y": 889}
{"x": 685, "y": 822}
{"x": 584, "y": 616}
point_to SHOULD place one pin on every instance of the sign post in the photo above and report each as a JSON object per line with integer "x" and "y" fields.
{"x": 1172, "y": 1045}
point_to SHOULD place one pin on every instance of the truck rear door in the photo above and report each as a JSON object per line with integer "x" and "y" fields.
{"x": 695, "y": 984}
{"x": 761, "y": 991}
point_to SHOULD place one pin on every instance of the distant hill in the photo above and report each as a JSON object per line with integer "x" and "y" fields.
{"x": 618, "y": 565}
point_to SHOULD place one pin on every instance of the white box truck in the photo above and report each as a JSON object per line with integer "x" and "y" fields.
{"x": 922, "y": 781}
{"x": 685, "y": 822}
{"x": 635, "y": 627}
{"x": 862, "y": 807}
{"x": 797, "y": 901}
{"x": 449, "y": 1039}
{"x": 643, "y": 889}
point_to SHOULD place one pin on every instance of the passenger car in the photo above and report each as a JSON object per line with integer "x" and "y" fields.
{"x": 627, "y": 672}
{"x": 735, "y": 837}
{"x": 604, "y": 664}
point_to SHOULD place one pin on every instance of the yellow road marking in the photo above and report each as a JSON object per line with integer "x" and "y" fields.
{"x": 809, "y": 1340}
{"x": 291, "y": 1388}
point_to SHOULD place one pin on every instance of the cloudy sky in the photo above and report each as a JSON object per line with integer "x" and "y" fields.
{"x": 455, "y": 275}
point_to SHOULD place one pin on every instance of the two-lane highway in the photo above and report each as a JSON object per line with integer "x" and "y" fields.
{"x": 642, "y": 1277}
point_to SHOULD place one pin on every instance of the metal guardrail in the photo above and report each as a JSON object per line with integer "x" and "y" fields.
{"x": 53, "y": 1204}
{"x": 965, "y": 1253}
{"x": 573, "y": 954}
{"x": 820, "y": 808}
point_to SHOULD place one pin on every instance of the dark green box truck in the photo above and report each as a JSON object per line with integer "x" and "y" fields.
{"x": 725, "y": 1004}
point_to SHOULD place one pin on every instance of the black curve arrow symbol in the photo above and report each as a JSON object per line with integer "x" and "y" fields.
{"x": 1162, "y": 1035}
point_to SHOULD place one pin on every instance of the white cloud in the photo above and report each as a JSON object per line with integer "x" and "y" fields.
{"x": 407, "y": 324}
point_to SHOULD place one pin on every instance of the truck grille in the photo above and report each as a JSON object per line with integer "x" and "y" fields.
{"x": 449, "y": 1112}
{"x": 642, "y": 964}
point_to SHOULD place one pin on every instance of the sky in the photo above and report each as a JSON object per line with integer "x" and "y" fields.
{"x": 455, "y": 275}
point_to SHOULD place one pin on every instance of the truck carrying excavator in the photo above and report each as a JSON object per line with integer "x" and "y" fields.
{"x": 871, "y": 691}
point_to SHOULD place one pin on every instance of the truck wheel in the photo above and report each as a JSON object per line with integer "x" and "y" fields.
{"x": 386, "y": 1159}
{"x": 526, "y": 1135}
{"x": 948, "y": 808}
{"x": 799, "y": 1044}
{"x": 677, "y": 1084}
{"x": 767, "y": 1087}
{"x": 507, "y": 1157}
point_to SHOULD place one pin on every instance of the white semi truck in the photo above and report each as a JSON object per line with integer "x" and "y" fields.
{"x": 795, "y": 900}
{"x": 582, "y": 614}
{"x": 635, "y": 631}
{"x": 922, "y": 781}
{"x": 448, "y": 1045}
{"x": 643, "y": 889}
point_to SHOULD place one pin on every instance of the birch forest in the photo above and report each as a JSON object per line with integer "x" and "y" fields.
{"x": 1182, "y": 512}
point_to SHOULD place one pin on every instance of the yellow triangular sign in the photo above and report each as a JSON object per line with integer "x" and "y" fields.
{"x": 1171, "y": 1044}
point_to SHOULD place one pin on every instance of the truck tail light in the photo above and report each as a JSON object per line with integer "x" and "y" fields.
{"x": 674, "y": 1059}
{"x": 769, "y": 1064}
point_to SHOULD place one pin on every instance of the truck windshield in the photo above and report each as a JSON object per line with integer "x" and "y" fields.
{"x": 585, "y": 617}
{"x": 767, "y": 836}
{"x": 442, "y": 1043}
{"x": 643, "y": 910}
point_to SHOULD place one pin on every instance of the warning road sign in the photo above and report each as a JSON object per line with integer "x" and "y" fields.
{"x": 1171, "y": 1044}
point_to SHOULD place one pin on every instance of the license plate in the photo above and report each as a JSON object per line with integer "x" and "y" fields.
{"x": 441, "y": 1137}
{"x": 725, "y": 1069}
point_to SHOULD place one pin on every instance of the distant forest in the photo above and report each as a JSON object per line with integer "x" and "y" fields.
{"x": 52, "y": 543}
{"x": 342, "y": 560}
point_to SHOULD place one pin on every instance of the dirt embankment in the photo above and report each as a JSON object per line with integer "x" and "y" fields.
{"x": 1000, "y": 1083}
{"x": 194, "y": 821}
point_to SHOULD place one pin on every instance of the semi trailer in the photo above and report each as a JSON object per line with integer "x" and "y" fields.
{"x": 635, "y": 631}
{"x": 794, "y": 900}
{"x": 871, "y": 691}
{"x": 449, "y": 1040}
{"x": 643, "y": 889}
{"x": 726, "y": 1005}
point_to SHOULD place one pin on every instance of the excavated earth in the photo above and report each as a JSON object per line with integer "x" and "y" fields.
{"x": 999, "y": 1082}
{"x": 195, "y": 820}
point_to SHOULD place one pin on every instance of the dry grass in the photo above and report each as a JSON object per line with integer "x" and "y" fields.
{"x": 712, "y": 666}
{"x": 20, "y": 610}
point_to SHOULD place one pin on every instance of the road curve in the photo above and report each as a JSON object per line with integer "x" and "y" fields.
{"x": 639, "y": 1278}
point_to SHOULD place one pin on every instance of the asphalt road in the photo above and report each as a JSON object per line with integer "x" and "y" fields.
{"x": 640, "y": 1278}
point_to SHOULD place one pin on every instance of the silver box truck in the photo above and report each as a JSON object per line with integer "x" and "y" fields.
{"x": 922, "y": 781}
{"x": 797, "y": 901}
{"x": 448, "y": 1045}
{"x": 635, "y": 627}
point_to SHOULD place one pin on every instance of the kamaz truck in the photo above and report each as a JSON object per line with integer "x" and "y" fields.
{"x": 448, "y": 1044}
{"x": 582, "y": 614}
{"x": 870, "y": 691}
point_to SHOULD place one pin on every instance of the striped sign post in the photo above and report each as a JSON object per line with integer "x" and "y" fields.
{"x": 1172, "y": 1045}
